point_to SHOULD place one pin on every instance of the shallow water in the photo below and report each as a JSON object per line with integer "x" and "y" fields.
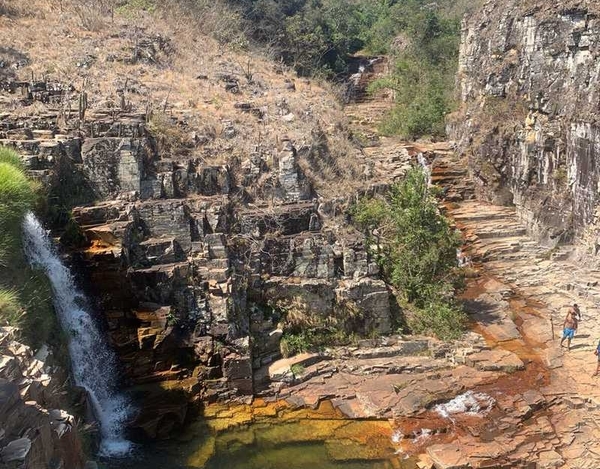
{"x": 246, "y": 438}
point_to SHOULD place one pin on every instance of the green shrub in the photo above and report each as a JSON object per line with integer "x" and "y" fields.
{"x": 10, "y": 156}
{"x": 313, "y": 339}
{"x": 415, "y": 246}
{"x": 16, "y": 196}
{"x": 293, "y": 344}
{"x": 444, "y": 319}
{"x": 424, "y": 67}
{"x": 422, "y": 101}
{"x": 25, "y": 295}
{"x": 131, "y": 7}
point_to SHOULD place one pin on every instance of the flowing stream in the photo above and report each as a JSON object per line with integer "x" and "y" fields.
{"x": 425, "y": 166}
{"x": 93, "y": 362}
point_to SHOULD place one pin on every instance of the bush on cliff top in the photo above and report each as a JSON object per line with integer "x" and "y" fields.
{"x": 426, "y": 40}
{"x": 16, "y": 197}
{"x": 416, "y": 250}
{"x": 25, "y": 295}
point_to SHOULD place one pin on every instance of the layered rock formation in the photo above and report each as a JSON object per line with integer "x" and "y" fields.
{"x": 196, "y": 266}
{"x": 34, "y": 430}
{"x": 203, "y": 202}
{"x": 529, "y": 85}
{"x": 180, "y": 265}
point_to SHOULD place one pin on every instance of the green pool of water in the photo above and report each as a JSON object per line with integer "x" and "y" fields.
{"x": 295, "y": 440}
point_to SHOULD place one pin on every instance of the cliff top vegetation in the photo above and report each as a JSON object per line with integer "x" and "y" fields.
{"x": 25, "y": 295}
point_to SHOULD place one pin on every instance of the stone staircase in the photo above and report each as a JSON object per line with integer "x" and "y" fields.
{"x": 452, "y": 175}
{"x": 386, "y": 158}
{"x": 546, "y": 281}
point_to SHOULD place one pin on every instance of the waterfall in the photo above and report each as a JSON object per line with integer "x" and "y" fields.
{"x": 93, "y": 362}
{"x": 425, "y": 166}
{"x": 462, "y": 259}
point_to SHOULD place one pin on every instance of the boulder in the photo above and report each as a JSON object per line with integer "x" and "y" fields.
{"x": 16, "y": 450}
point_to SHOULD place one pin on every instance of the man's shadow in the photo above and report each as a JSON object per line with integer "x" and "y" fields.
{"x": 578, "y": 346}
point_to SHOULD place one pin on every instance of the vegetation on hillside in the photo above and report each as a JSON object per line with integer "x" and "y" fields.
{"x": 421, "y": 37}
{"x": 416, "y": 250}
{"x": 25, "y": 295}
{"x": 425, "y": 59}
{"x": 318, "y": 37}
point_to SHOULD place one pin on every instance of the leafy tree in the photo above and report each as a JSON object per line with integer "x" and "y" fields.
{"x": 416, "y": 249}
{"x": 421, "y": 37}
{"x": 314, "y": 36}
{"x": 424, "y": 68}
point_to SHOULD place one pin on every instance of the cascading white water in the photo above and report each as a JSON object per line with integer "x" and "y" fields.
{"x": 469, "y": 403}
{"x": 462, "y": 259}
{"x": 93, "y": 362}
{"x": 425, "y": 166}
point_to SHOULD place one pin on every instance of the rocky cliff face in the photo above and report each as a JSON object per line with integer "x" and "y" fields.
{"x": 34, "y": 430}
{"x": 529, "y": 83}
{"x": 196, "y": 266}
{"x": 194, "y": 283}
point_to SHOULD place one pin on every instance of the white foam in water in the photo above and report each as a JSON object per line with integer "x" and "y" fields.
{"x": 423, "y": 435}
{"x": 397, "y": 437}
{"x": 426, "y": 168}
{"x": 468, "y": 403}
{"x": 462, "y": 259}
{"x": 93, "y": 362}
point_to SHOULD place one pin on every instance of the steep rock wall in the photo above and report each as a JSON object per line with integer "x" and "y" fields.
{"x": 195, "y": 266}
{"x": 529, "y": 83}
{"x": 35, "y": 432}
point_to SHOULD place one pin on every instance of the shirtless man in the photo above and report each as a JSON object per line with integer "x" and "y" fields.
{"x": 570, "y": 325}
{"x": 575, "y": 310}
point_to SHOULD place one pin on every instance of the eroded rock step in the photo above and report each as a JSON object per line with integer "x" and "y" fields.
{"x": 493, "y": 233}
{"x": 546, "y": 277}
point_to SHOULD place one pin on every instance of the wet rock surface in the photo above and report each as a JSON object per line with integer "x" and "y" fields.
{"x": 33, "y": 429}
{"x": 518, "y": 302}
{"x": 516, "y": 297}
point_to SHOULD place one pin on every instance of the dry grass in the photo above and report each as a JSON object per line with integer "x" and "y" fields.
{"x": 90, "y": 46}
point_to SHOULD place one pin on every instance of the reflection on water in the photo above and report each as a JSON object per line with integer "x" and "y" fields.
{"x": 271, "y": 437}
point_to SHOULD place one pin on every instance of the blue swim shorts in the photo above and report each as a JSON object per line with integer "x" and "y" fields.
{"x": 568, "y": 333}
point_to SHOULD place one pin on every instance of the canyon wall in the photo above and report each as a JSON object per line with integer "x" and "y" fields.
{"x": 529, "y": 84}
{"x": 200, "y": 193}
{"x": 196, "y": 267}
{"x": 35, "y": 431}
